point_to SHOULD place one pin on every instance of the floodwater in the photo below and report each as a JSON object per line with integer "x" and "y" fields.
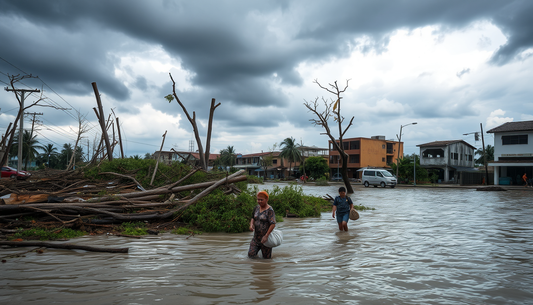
{"x": 419, "y": 246}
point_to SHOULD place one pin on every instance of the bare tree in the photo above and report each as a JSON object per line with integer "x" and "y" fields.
{"x": 82, "y": 128}
{"x": 204, "y": 156}
{"x": 332, "y": 109}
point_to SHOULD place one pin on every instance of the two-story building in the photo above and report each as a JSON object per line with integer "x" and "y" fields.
{"x": 513, "y": 152}
{"x": 364, "y": 152}
{"x": 450, "y": 158}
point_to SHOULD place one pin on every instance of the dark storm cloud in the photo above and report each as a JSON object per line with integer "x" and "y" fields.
{"x": 231, "y": 48}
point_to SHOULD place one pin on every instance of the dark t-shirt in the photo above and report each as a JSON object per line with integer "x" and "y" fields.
{"x": 262, "y": 221}
{"x": 342, "y": 204}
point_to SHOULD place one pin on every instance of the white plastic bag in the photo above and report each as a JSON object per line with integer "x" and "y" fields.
{"x": 274, "y": 239}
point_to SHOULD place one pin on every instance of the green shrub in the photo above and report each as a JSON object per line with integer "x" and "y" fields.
{"x": 133, "y": 228}
{"x": 185, "y": 231}
{"x": 322, "y": 181}
{"x": 254, "y": 179}
{"x": 218, "y": 212}
{"x": 48, "y": 234}
{"x": 143, "y": 169}
{"x": 292, "y": 200}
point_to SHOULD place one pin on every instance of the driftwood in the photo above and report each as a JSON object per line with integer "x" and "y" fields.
{"x": 61, "y": 246}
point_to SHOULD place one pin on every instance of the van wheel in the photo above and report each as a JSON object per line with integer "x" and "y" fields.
{"x": 367, "y": 184}
{"x": 383, "y": 184}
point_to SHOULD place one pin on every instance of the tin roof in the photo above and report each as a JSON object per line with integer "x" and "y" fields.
{"x": 443, "y": 143}
{"x": 513, "y": 126}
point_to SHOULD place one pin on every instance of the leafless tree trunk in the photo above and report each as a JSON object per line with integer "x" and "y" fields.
{"x": 82, "y": 128}
{"x": 102, "y": 123}
{"x": 209, "y": 128}
{"x": 204, "y": 161}
{"x": 333, "y": 109}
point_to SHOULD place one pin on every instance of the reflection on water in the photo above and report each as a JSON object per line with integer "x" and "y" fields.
{"x": 420, "y": 246}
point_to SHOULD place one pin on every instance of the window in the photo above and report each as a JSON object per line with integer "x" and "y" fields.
{"x": 512, "y": 140}
{"x": 369, "y": 173}
{"x": 354, "y": 159}
{"x": 383, "y": 146}
{"x": 355, "y": 145}
{"x": 345, "y": 145}
{"x": 469, "y": 157}
{"x": 383, "y": 159}
{"x": 275, "y": 161}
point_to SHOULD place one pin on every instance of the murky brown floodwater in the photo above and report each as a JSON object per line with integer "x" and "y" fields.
{"x": 420, "y": 246}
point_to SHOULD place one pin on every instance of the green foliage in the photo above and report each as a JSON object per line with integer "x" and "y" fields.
{"x": 254, "y": 179}
{"x": 218, "y": 212}
{"x": 489, "y": 153}
{"x": 48, "y": 234}
{"x": 406, "y": 168}
{"x": 290, "y": 151}
{"x": 143, "y": 170}
{"x": 133, "y": 228}
{"x": 315, "y": 167}
{"x": 292, "y": 200}
{"x": 185, "y": 231}
{"x": 322, "y": 181}
{"x": 362, "y": 208}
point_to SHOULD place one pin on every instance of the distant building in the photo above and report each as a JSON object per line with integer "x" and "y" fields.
{"x": 364, "y": 152}
{"x": 513, "y": 152}
{"x": 450, "y": 158}
{"x": 191, "y": 158}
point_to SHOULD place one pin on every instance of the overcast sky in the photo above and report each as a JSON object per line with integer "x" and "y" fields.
{"x": 447, "y": 65}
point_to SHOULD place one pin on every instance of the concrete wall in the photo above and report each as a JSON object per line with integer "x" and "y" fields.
{"x": 515, "y": 149}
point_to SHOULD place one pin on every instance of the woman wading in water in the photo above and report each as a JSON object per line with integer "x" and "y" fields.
{"x": 262, "y": 223}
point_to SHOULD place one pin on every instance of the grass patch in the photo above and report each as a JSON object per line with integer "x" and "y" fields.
{"x": 185, "y": 231}
{"x": 254, "y": 179}
{"x": 133, "y": 228}
{"x": 322, "y": 181}
{"x": 48, "y": 234}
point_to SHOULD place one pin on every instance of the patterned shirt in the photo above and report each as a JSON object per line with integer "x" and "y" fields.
{"x": 262, "y": 221}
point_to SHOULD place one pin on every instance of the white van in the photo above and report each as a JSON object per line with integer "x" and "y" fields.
{"x": 377, "y": 177}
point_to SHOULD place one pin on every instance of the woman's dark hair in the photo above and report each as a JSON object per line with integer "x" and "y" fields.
{"x": 342, "y": 189}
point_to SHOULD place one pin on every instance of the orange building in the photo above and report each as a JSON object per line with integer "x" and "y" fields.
{"x": 364, "y": 152}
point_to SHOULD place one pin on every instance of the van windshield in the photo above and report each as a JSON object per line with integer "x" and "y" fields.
{"x": 386, "y": 174}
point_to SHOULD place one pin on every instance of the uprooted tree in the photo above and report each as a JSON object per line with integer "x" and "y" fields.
{"x": 204, "y": 156}
{"x": 332, "y": 109}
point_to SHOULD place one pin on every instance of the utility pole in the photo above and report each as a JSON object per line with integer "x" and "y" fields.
{"x": 484, "y": 156}
{"x": 22, "y": 93}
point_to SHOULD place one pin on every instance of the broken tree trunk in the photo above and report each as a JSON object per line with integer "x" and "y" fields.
{"x": 102, "y": 123}
{"x": 158, "y": 156}
{"x": 61, "y": 246}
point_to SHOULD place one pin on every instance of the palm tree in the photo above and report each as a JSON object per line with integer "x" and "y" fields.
{"x": 227, "y": 156}
{"x": 290, "y": 150}
{"x": 489, "y": 152}
{"x": 48, "y": 150}
{"x": 65, "y": 154}
{"x": 29, "y": 147}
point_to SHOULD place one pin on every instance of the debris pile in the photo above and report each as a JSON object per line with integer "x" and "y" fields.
{"x": 68, "y": 198}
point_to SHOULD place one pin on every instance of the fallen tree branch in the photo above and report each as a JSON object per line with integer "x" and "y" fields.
{"x": 61, "y": 246}
{"x": 124, "y": 176}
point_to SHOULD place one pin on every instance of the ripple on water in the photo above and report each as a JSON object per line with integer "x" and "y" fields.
{"x": 419, "y": 246}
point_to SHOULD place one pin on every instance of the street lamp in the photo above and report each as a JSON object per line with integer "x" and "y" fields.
{"x": 399, "y": 141}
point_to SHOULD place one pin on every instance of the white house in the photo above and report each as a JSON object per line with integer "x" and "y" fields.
{"x": 449, "y": 157}
{"x": 513, "y": 152}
